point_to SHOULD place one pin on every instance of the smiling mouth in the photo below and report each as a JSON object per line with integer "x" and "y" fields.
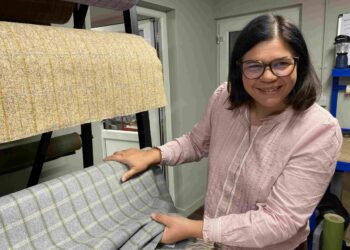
{"x": 269, "y": 91}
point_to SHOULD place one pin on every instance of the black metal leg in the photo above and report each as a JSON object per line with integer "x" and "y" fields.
{"x": 39, "y": 159}
{"x": 130, "y": 21}
{"x": 144, "y": 130}
{"x": 86, "y": 137}
{"x": 143, "y": 126}
{"x": 79, "y": 15}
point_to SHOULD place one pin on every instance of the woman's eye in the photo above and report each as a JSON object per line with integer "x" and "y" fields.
{"x": 281, "y": 64}
{"x": 253, "y": 66}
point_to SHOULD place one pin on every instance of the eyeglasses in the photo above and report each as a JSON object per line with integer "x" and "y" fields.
{"x": 279, "y": 67}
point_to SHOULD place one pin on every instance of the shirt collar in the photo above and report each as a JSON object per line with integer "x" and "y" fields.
{"x": 273, "y": 119}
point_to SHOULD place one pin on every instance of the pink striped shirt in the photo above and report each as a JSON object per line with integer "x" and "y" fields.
{"x": 264, "y": 181}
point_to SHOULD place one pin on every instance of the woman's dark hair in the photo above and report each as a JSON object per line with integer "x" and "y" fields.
{"x": 263, "y": 28}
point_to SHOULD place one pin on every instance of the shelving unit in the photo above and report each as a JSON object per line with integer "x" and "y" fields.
{"x": 343, "y": 164}
{"x": 79, "y": 14}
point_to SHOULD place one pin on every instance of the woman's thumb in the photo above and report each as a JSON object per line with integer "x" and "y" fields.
{"x": 126, "y": 176}
{"x": 161, "y": 218}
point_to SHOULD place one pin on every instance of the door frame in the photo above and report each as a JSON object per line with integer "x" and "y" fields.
{"x": 161, "y": 16}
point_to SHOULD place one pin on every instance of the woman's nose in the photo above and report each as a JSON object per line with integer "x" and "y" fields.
{"x": 268, "y": 75}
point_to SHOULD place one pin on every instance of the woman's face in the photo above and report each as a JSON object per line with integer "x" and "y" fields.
{"x": 269, "y": 91}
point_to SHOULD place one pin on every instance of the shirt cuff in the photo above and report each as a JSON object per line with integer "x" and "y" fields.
{"x": 212, "y": 229}
{"x": 165, "y": 154}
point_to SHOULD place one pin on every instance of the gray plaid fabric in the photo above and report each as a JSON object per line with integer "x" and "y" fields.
{"x": 87, "y": 209}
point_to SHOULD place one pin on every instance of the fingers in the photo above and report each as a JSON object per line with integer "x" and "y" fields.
{"x": 112, "y": 157}
{"x": 123, "y": 155}
{"x": 109, "y": 158}
{"x": 127, "y": 175}
{"x": 116, "y": 156}
{"x": 162, "y": 218}
{"x": 133, "y": 158}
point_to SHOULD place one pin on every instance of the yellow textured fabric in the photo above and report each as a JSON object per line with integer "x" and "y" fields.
{"x": 53, "y": 78}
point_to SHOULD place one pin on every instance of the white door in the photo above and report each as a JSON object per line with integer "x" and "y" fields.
{"x": 228, "y": 31}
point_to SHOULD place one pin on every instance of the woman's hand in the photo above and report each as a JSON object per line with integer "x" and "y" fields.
{"x": 137, "y": 160}
{"x": 178, "y": 228}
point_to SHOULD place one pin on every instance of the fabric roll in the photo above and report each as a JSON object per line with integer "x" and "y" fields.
{"x": 53, "y": 78}
{"x": 110, "y": 4}
{"x": 87, "y": 209}
{"x": 36, "y": 11}
{"x": 333, "y": 232}
{"x": 21, "y": 156}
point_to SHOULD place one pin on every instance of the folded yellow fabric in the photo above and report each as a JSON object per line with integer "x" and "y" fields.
{"x": 53, "y": 78}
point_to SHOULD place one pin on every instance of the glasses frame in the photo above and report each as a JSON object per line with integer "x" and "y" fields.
{"x": 240, "y": 63}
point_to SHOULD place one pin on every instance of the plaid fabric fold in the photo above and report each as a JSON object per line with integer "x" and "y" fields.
{"x": 87, "y": 209}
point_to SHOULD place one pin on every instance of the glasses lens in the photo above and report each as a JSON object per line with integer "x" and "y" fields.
{"x": 252, "y": 69}
{"x": 282, "y": 67}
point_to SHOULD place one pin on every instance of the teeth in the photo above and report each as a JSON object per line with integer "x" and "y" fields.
{"x": 269, "y": 90}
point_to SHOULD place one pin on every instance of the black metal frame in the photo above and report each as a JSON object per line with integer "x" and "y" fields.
{"x": 39, "y": 159}
{"x": 143, "y": 124}
{"x": 79, "y": 15}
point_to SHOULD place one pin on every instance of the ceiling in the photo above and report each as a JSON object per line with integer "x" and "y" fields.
{"x": 104, "y": 17}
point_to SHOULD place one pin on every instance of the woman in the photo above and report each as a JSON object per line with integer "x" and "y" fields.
{"x": 272, "y": 150}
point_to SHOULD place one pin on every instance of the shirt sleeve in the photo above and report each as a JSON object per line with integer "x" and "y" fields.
{"x": 293, "y": 198}
{"x": 194, "y": 145}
